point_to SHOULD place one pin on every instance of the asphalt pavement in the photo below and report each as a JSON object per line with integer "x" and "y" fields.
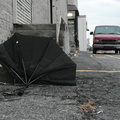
{"x": 96, "y": 96}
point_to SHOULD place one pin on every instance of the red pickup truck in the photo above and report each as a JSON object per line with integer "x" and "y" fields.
{"x": 106, "y": 37}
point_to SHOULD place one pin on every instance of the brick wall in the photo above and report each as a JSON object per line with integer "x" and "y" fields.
{"x": 40, "y": 11}
{"x": 5, "y": 19}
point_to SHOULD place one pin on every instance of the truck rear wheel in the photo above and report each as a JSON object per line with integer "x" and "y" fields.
{"x": 116, "y": 51}
{"x": 94, "y": 51}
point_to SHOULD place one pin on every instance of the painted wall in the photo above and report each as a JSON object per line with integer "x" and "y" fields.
{"x": 6, "y": 18}
{"x": 40, "y": 15}
{"x": 60, "y": 10}
{"x": 82, "y": 33}
{"x": 40, "y": 11}
{"x": 73, "y": 2}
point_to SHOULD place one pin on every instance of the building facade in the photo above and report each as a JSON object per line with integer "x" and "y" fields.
{"x": 73, "y": 2}
{"x": 82, "y": 27}
{"x": 73, "y": 24}
{"x": 32, "y": 12}
{"x": 6, "y": 19}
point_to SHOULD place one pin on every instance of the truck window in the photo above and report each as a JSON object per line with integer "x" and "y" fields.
{"x": 107, "y": 30}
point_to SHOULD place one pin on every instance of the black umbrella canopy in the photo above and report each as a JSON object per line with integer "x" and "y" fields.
{"x": 31, "y": 59}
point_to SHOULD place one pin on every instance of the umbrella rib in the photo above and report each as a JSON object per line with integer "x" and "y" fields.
{"x": 33, "y": 73}
{"x": 36, "y": 78}
{"x": 43, "y": 75}
{"x": 24, "y": 71}
{"x": 35, "y": 69}
{"x": 18, "y": 76}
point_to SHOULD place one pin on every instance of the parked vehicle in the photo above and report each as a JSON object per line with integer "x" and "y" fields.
{"x": 106, "y": 37}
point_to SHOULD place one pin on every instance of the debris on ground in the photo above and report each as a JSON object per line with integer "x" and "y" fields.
{"x": 88, "y": 106}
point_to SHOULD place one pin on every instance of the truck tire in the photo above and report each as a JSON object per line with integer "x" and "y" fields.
{"x": 116, "y": 51}
{"x": 94, "y": 51}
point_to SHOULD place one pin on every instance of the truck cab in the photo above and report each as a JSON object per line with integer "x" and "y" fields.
{"x": 106, "y": 37}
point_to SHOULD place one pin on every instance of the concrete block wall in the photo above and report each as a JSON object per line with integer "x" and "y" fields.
{"x": 59, "y": 9}
{"x": 40, "y": 15}
{"x": 6, "y": 19}
{"x": 40, "y": 11}
{"x": 73, "y": 2}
